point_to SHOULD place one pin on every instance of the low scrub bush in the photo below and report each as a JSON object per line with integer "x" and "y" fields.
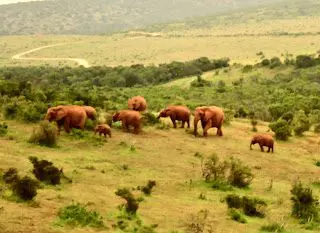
{"x": 148, "y": 188}
{"x": 265, "y": 62}
{"x": 301, "y": 123}
{"x": 89, "y": 125}
{"x": 281, "y": 128}
{"x": 24, "y": 188}
{"x": 275, "y": 62}
{"x": 45, "y": 171}
{"x": 273, "y": 227}
{"x": 237, "y": 216}
{"x": 198, "y": 223}
{"x": 252, "y": 207}
{"x": 318, "y": 163}
{"x": 200, "y": 82}
{"x": 77, "y": 215}
{"x": 149, "y": 119}
{"x": 305, "y": 204}
{"x": 317, "y": 128}
{"x": 247, "y": 68}
{"x": 305, "y": 61}
{"x": 254, "y": 123}
{"x": 3, "y": 129}
{"x": 225, "y": 173}
{"x": 45, "y": 135}
{"x": 132, "y": 204}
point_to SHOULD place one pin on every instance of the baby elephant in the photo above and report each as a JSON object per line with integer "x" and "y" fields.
{"x": 103, "y": 129}
{"x": 262, "y": 140}
{"x": 179, "y": 113}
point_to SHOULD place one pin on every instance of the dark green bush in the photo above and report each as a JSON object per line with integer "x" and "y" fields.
{"x": 212, "y": 169}
{"x": 237, "y": 216}
{"x": 132, "y": 204}
{"x": 149, "y": 119}
{"x": 45, "y": 171}
{"x": 77, "y": 215}
{"x": 288, "y": 116}
{"x": 200, "y": 82}
{"x": 281, "y": 129}
{"x": 247, "y": 68}
{"x": 45, "y": 135}
{"x": 318, "y": 163}
{"x": 317, "y": 128}
{"x": 301, "y": 123}
{"x": 10, "y": 176}
{"x": 265, "y": 62}
{"x": 305, "y": 204}
{"x": 305, "y": 61}
{"x": 25, "y": 188}
{"x": 275, "y": 62}
{"x": 3, "y": 129}
{"x": 148, "y": 188}
{"x": 240, "y": 175}
{"x": 241, "y": 112}
{"x": 234, "y": 201}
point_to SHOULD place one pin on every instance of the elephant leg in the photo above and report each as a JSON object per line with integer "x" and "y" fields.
{"x": 261, "y": 147}
{"x": 269, "y": 147}
{"x": 188, "y": 122}
{"x": 136, "y": 129}
{"x": 219, "y": 132}
{"x": 173, "y": 122}
{"x": 67, "y": 125}
{"x": 125, "y": 126}
{"x": 182, "y": 124}
{"x": 206, "y": 128}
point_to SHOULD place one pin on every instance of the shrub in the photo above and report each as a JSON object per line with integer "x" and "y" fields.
{"x": 253, "y": 207}
{"x": 240, "y": 175}
{"x": 163, "y": 126}
{"x": 241, "y": 112}
{"x": 77, "y": 215}
{"x": 10, "y": 176}
{"x": 149, "y": 119}
{"x": 265, "y": 62}
{"x": 148, "y": 188}
{"x": 132, "y": 204}
{"x": 221, "y": 185}
{"x": 247, "y": 68}
{"x": 288, "y": 116}
{"x": 45, "y": 135}
{"x": 10, "y": 110}
{"x": 25, "y": 188}
{"x": 305, "y": 206}
{"x": 301, "y": 123}
{"x": 281, "y": 129}
{"x": 45, "y": 171}
{"x": 254, "y": 123}
{"x": 318, "y": 163}
{"x": 236, "y": 215}
{"x": 304, "y": 61}
{"x": 228, "y": 116}
{"x": 200, "y": 82}
{"x": 89, "y": 125}
{"x": 197, "y": 223}
{"x": 273, "y": 227}
{"x": 3, "y": 129}
{"x": 275, "y": 62}
{"x": 213, "y": 169}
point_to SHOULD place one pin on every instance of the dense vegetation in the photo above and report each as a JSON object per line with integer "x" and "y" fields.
{"x": 100, "y": 16}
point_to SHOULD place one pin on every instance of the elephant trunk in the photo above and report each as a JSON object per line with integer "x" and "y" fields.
{"x": 159, "y": 117}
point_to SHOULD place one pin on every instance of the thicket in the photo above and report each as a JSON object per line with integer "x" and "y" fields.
{"x": 27, "y": 92}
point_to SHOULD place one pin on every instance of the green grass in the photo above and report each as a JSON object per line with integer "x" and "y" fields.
{"x": 166, "y": 156}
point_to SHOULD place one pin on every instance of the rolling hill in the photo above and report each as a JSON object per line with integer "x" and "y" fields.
{"x": 105, "y": 16}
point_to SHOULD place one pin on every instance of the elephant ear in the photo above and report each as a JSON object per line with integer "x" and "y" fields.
{"x": 200, "y": 112}
{"x": 60, "y": 113}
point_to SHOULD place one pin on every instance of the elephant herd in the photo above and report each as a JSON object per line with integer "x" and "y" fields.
{"x": 74, "y": 116}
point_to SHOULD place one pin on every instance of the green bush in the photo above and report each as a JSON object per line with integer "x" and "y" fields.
{"x": 304, "y": 61}
{"x": 275, "y": 62}
{"x": 149, "y": 119}
{"x": 10, "y": 176}
{"x": 240, "y": 175}
{"x": 45, "y": 135}
{"x": 318, "y": 163}
{"x": 10, "y": 110}
{"x": 288, "y": 116}
{"x": 212, "y": 169}
{"x": 247, "y": 68}
{"x": 132, "y": 204}
{"x": 3, "y": 129}
{"x": 253, "y": 207}
{"x": 77, "y": 215}
{"x": 148, "y": 188}
{"x": 281, "y": 129}
{"x": 305, "y": 204}
{"x": 200, "y": 82}
{"x": 45, "y": 171}
{"x": 301, "y": 123}
{"x": 237, "y": 216}
{"x": 25, "y": 188}
{"x": 89, "y": 125}
{"x": 265, "y": 62}
{"x": 273, "y": 227}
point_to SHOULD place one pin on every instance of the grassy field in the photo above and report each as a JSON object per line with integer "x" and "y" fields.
{"x": 166, "y": 156}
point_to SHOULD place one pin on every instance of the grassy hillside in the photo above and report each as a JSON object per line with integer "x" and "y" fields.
{"x": 99, "y": 16}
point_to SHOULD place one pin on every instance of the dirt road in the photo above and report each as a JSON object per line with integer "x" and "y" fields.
{"x": 20, "y": 56}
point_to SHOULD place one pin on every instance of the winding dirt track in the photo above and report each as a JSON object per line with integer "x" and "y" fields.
{"x": 20, "y": 56}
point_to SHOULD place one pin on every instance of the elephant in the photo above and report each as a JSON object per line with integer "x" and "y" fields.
{"x": 263, "y": 140}
{"x": 210, "y": 117}
{"x": 137, "y": 103}
{"x": 91, "y": 112}
{"x": 128, "y": 118}
{"x": 70, "y": 116}
{"x": 103, "y": 129}
{"x": 179, "y": 113}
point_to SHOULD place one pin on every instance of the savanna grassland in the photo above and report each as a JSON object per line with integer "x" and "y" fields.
{"x": 261, "y": 65}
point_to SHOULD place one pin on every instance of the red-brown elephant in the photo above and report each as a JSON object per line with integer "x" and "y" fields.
{"x": 137, "y": 103}
{"x": 263, "y": 140}
{"x": 70, "y": 116}
{"x": 177, "y": 113}
{"x": 103, "y": 129}
{"x": 91, "y": 112}
{"x": 128, "y": 118}
{"x": 210, "y": 117}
